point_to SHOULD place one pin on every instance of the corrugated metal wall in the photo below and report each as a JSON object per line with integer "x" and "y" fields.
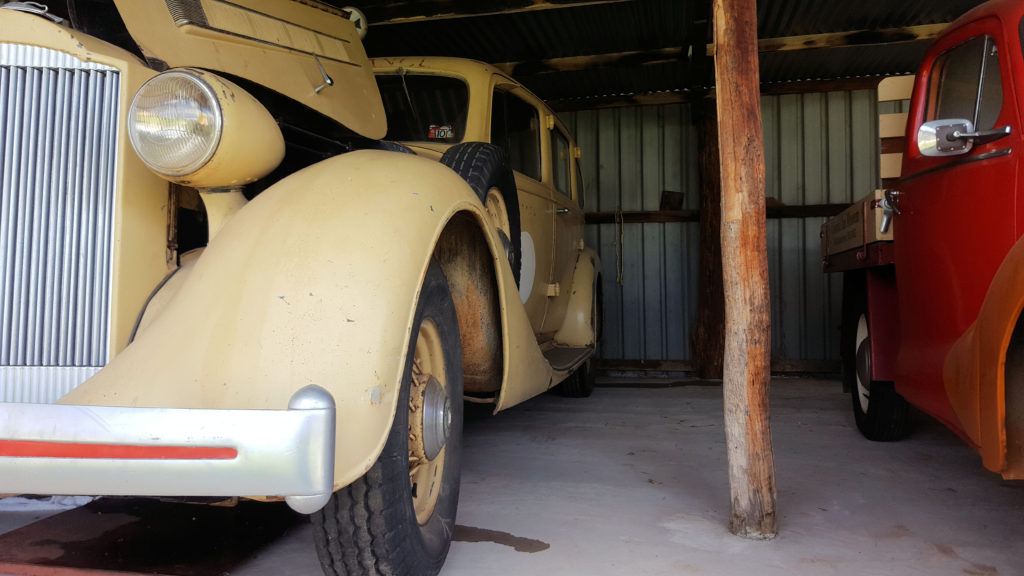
{"x": 629, "y": 156}
{"x": 820, "y": 148}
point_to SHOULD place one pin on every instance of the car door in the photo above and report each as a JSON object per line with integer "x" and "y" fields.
{"x": 957, "y": 212}
{"x": 568, "y": 222}
{"x": 516, "y": 126}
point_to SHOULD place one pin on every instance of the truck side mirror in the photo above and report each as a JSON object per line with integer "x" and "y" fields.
{"x": 953, "y": 137}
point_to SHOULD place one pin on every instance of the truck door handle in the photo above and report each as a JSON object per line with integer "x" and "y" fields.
{"x": 889, "y": 203}
{"x": 981, "y": 136}
{"x": 561, "y": 211}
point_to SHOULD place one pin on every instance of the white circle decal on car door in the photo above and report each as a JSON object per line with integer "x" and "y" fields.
{"x": 528, "y": 272}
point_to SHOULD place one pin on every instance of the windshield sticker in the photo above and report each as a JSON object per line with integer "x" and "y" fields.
{"x": 440, "y": 132}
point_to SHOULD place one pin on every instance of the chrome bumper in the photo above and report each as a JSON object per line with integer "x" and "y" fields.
{"x": 107, "y": 451}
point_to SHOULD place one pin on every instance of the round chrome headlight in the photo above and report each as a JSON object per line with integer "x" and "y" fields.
{"x": 175, "y": 123}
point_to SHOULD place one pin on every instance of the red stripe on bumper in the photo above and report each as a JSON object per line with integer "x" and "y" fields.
{"x": 34, "y": 449}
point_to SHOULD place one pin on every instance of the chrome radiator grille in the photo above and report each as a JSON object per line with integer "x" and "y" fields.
{"x": 58, "y": 148}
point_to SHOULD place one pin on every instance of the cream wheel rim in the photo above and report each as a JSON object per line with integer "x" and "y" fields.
{"x": 863, "y": 388}
{"x": 429, "y": 420}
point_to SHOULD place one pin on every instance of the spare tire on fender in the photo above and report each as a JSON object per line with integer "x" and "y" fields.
{"x": 485, "y": 168}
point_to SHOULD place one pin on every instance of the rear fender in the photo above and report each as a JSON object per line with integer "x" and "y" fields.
{"x": 313, "y": 282}
{"x": 578, "y": 329}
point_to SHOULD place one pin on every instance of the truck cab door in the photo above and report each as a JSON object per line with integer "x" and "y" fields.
{"x": 956, "y": 218}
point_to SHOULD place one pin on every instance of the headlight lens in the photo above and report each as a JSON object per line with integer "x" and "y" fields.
{"x": 175, "y": 123}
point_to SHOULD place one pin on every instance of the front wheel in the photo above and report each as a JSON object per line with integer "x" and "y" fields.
{"x": 881, "y": 413}
{"x": 399, "y": 517}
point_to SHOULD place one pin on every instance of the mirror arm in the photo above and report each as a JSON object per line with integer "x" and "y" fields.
{"x": 981, "y": 136}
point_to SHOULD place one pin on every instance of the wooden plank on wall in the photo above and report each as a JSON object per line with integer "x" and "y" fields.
{"x": 778, "y": 366}
{"x": 772, "y": 212}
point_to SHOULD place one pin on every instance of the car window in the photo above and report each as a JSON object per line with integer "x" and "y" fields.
{"x": 560, "y": 162}
{"x": 515, "y": 126}
{"x": 422, "y": 107}
{"x": 965, "y": 83}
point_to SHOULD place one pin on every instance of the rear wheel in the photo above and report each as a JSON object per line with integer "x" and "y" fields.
{"x": 881, "y": 413}
{"x": 398, "y": 518}
{"x": 580, "y": 384}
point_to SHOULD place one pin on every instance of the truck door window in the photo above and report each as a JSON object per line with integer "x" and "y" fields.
{"x": 560, "y": 159}
{"x": 515, "y": 126}
{"x": 965, "y": 83}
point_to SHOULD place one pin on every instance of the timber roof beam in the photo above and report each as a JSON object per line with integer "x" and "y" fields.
{"x": 403, "y": 12}
{"x": 672, "y": 54}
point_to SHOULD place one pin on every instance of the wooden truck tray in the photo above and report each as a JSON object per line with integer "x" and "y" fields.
{"x": 851, "y": 239}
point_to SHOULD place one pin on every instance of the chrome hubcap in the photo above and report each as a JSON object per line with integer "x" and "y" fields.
{"x": 429, "y": 421}
{"x": 437, "y": 418}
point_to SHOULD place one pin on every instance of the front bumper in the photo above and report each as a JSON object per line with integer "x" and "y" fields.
{"x": 108, "y": 451}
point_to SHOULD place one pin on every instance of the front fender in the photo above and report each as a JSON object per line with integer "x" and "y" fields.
{"x": 973, "y": 372}
{"x": 313, "y": 282}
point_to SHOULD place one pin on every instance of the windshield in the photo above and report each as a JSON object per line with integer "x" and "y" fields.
{"x": 421, "y": 107}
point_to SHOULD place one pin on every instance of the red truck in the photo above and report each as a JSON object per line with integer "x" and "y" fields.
{"x": 932, "y": 306}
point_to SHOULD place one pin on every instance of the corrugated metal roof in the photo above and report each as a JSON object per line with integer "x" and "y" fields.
{"x": 777, "y": 18}
{"x": 843, "y": 62}
{"x": 539, "y": 34}
{"x": 516, "y": 37}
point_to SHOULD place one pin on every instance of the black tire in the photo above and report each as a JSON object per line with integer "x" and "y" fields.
{"x": 881, "y": 413}
{"x": 579, "y": 384}
{"x": 382, "y": 524}
{"x": 485, "y": 167}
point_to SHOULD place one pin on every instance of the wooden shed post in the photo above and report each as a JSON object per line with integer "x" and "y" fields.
{"x": 745, "y": 271}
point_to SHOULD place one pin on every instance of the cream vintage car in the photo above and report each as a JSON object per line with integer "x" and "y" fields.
{"x": 219, "y": 280}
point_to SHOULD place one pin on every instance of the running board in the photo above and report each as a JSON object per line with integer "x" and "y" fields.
{"x": 567, "y": 359}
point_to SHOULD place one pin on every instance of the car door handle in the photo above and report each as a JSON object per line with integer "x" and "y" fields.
{"x": 561, "y": 211}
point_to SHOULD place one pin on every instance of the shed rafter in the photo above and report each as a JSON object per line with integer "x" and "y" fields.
{"x": 890, "y": 36}
{"x": 403, "y": 12}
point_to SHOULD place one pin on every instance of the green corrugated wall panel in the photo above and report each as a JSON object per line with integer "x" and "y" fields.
{"x": 819, "y": 149}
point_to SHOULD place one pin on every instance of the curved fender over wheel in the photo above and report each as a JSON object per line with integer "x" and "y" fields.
{"x": 578, "y": 329}
{"x": 313, "y": 282}
{"x": 399, "y": 517}
{"x": 973, "y": 372}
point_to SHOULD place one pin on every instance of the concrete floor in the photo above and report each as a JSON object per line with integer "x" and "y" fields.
{"x": 633, "y": 481}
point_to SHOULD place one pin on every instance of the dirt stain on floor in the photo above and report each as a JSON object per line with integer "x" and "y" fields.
{"x": 472, "y": 534}
{"x": 975, "y": 569}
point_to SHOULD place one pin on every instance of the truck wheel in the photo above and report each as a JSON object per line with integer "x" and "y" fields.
{"x": 399, "y": 517}
{"x": 881, "y": 414}
{"x": 485, "y": 168}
